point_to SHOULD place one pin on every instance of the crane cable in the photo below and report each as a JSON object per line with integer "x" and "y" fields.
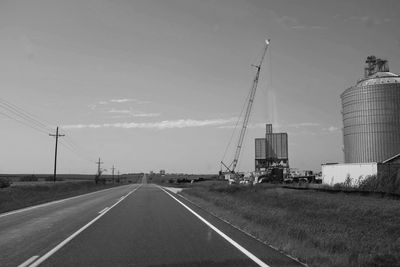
{"x": 235, "y": 128}
{"x": 240, "y": 118}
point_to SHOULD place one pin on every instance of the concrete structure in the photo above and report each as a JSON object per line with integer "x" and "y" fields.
{"x": 371, "y": 115}
{"x": 271, "y": 151}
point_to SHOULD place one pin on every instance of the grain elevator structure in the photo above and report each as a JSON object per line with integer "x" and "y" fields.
{"x": 271, "y": 151}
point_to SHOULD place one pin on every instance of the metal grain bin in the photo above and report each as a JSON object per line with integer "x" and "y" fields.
{"x": 371, "y": 119}
{"x": 276, "y": 146}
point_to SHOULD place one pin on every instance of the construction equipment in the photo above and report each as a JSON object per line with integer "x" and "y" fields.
{"x": 230, "y": 173}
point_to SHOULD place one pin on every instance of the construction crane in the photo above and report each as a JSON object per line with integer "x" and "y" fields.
{"x": 230, "y": 170}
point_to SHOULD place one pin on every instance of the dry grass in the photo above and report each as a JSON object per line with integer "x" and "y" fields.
{"x": 32, "y": 193}
{"x": 319, "y": 228}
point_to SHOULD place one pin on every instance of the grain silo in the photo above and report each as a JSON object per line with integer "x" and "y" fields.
{"x": 371, "y": 115}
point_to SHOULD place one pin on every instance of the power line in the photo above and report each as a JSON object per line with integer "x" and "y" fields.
{"x": 27, "y": 119}
{"x": 24, "y": 123}
{"x": 69, "y": 148}
{"x": 23, "y": 114}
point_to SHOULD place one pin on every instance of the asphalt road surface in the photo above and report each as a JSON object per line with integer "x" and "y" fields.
{"x": 135, "y": 225}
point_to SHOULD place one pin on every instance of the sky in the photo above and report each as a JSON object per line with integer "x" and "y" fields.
{"x": 149, "y": 85}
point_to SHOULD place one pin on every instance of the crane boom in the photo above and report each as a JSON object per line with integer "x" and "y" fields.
{"x": 248, "y": 110}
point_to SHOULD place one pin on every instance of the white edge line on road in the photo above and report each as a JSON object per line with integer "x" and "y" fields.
{"x": 244, "y": 232}
{"x": 227, "y": 238}
{"x": 28, "y": 261}
{"x": 52, "y": 202}
{"x": 103, "y": 210}
{"x": 63, "y": 243}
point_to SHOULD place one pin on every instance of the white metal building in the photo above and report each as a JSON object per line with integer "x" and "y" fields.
{"x": 337, "y": 173}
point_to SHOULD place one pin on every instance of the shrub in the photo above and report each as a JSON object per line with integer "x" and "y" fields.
{"x": 4, "y": 182}
{"x": 383, "y": 183}
{"x": 28, "y": 178}
{"x": 51, "y": 178}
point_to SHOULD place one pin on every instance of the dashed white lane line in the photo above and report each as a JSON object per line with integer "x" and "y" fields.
{"x": 103, "y": 210}
{"x": 227, "y": 238}
{"x": 52, "y": 202}
{"x": 63, "y": 243}
{"x": 28, "y": 261}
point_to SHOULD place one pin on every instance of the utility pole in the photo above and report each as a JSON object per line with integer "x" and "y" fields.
{"x": 55, "y": 155}
{"x": 113, "y": 168}
{"x": 98, "y": 167}
{"x": 97, "y": 177}
{"x": 118, "y": 177}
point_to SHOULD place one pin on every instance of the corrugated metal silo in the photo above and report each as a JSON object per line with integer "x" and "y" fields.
{"x": 371, "y": 117}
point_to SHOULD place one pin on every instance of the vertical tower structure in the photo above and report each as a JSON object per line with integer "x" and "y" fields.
{"x": 271, "y": 151}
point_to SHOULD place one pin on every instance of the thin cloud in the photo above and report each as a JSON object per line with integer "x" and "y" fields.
{"x": 303, "y": 124}
{"x": 167, "y": 124}
{"x": 293, "y": 23}
{"x": 92, "y": 106}
{"x": 277, "y": 127}
{"x": 250, "y": 126}
{"x": 331, "y": 129}
{"x": 134, "y": 114}
{"x": 309, "y": 27}
{"x": 367, "y": 21}
{"x": 121, "y": 100}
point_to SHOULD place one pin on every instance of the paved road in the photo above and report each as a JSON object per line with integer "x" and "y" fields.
{"x": 148, "y": 227}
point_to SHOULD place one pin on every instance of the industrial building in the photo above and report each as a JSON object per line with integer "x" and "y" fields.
{"x": 271, "y": 151}
{"x": 371, "y": 126}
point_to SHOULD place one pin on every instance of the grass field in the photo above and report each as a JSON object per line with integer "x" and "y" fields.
{"x": 24, "y": 194}
{"x": 319, "y": 228}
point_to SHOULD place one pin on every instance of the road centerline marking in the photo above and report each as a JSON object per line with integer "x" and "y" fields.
{"x": 227, "y": 238}
{"x": 68, "y": 239}
{"x": 28, "y": 261}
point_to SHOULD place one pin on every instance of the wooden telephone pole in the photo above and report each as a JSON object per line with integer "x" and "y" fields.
{"x": 98, "y": 167}
{"x": 113, "y": 168}
{"x": 55, "y": 155}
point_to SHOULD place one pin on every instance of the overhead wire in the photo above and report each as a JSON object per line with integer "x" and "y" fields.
{"x": 68, "y": 139}
{"x": 26, "y": 118}
{"x": 24, "y": 123}
{"x": 23, "y": 114}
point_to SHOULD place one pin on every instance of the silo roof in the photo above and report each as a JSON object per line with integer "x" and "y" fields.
{"x": 379, "y": 78}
